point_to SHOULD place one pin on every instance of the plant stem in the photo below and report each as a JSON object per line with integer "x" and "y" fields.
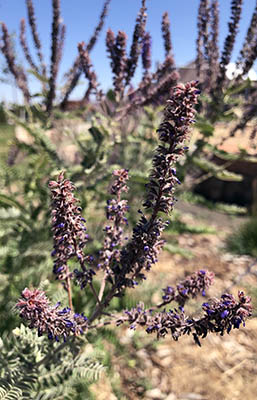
{"x": 94, "y": 293}
{"x": 68, "y": 286}
{"x": 101, "y": 291}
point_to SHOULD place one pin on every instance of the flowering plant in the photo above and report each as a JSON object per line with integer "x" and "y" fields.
{"x": 123, "y": 263}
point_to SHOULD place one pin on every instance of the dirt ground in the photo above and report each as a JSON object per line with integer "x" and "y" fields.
{"x": 224, "y": 368}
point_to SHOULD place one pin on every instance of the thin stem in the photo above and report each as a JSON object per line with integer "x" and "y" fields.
{"x": 101, "y": 291}
{"x": 51, "y": 354}
{"x": 94, "y": 293}
{"x": 103, "y": 304}
{"x": 68, "y": 286}
{"x": 101, "y": 325}
{"x": 211, "y": 174}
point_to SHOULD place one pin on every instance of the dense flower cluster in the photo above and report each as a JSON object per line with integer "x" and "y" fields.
{"x": 146, "y": 53}
{"x": 248, "y": 53}
{"x": 178, "y": 116}
{"x": 62, "y": 34}
{"x": 87, "y": 69}
{"x": 166, "y": 33}
{"x": 124, "y": 265}
{"x": 221, "y": 315}
{"x": 99, "y": 26}
{"x": 123, "y": 65}
{"x": 117, "y": 51}
{"x": 75, "y": 71}
{"x": 25, "y": 47}
{"x": 115, "y": 213}
{"x": 35, "y": 36}
{"x": 57, "y": 43}
{"x": 57, "y": 323}
{"x": 191, "y": 286}
{"x": 155, "y": 87}
{"x": 119, "y": 185}
{"x": 202, "y": 36}
{"x": 142, "y": 251}
{"x": 16, "y": 70}
{"x": 236, "y": 10}
{"x": 207, "y": 59}
{"x": 136, "y": 46}
{"x": 213, "y": 47}
{"x": 69, "y": 231}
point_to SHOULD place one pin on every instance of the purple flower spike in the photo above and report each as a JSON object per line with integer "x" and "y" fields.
{"x": 193, "y": 285}
{"x": 115, "y": 213}
{"x": 35, "y": 307}
{"x": 216, "y": 319}
{"x": 67, "y": 226}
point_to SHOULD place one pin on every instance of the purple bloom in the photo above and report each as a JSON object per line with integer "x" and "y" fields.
{"x": 216, "y": 319}
{"x": 68, "y": 228}
{"x": 191, "y": 286}
{"x": 146, "y": 53}
{"x": 224, "y": 314}
{"x": 34, "y": 307}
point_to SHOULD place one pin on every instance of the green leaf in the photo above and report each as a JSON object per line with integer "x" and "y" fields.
{"x": 111, "y": 95}
{"x": 97, "y": 134}
{"x": 218, "y": 171}
{"x": 40, "y": 77}
{"x": 205, "y": 127}
{"x": 228, "y": 176}
{"x": 236, "y": 89}
{"x": 138, "y": 177}
{"x": 8, "y": 201}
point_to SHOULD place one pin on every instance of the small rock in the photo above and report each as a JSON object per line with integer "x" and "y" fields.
{"x": 163, "y": 352}
{"x": 191, "y": 396}
{"x": 171, "y": 396}
{"x": 155, "y": 394}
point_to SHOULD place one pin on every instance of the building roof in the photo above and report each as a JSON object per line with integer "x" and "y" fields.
{"x": 188, "y": 72}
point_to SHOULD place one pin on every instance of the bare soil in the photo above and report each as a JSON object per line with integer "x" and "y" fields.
{"x": 224, "y": 368}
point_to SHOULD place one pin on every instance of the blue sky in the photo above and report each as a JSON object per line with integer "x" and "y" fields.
{"x": 81, "y": 16}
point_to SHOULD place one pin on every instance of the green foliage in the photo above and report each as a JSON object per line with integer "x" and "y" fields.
{"x": 177, "y": 226}
{"x": 25, "y": 241}
{"x": 204, "y": 126}
{"x": 200, "y": 162}
{"x": 231, "y": 209}
{"x": 245, "y": 240}
{"x": 6, "y": 134}
{"x": 216, "y": 171}
{"x": 34, "y": 368}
